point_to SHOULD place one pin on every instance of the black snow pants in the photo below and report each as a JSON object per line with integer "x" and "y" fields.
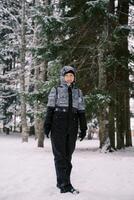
{"x": 63, "y": 138}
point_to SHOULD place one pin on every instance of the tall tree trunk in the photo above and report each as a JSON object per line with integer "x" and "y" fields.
{"x": 39, "y": 107}
{"x": 103, "y": 111}
{"x": 123, "y": 112}
{"x": 106, "y": 116}
{"x": 111, "y": 27}
{"x": 40, "y": 76}
{"x": 22, "y": 78}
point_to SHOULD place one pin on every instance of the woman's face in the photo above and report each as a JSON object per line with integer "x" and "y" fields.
{"x": 69, "y": 78}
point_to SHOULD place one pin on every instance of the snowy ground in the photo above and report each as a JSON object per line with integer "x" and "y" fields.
{"x": 27, "y": 172}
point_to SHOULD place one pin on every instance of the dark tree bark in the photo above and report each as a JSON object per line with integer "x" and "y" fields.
{"x": 104, "y": 110}
{"x": 111, "y": 88}
{"x": 122, "y": 79}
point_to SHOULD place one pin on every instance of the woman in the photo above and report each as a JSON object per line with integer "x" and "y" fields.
{"x": 65, "y": 107}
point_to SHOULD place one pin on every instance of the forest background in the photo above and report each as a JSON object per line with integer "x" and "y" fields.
{"x": 39, "y": 37}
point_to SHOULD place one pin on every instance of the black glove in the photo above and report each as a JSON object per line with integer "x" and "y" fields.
{"x": 82, "y": 135}
{"x": 83, "y": 125}
{"x": 47, "y": 134}
{"x": 47, "y": 130}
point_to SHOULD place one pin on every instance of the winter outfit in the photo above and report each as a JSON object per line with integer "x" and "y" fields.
{"x": 65, "y": 107}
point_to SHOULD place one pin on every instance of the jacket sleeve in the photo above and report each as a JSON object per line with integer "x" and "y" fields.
{"x": 52, "y": 98}
{"x": 81, "y": 113}
{"x": 50, "y": 111}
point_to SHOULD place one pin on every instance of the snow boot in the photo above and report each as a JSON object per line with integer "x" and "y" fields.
{"x": 69, "y": 188}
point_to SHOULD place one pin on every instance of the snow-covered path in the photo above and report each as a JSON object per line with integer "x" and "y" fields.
{"x": 27, "y": 172}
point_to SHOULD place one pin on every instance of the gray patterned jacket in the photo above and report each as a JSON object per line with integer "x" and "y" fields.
{"x": 59, "y": 98}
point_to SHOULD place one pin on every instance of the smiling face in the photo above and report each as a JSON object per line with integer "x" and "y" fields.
{"x": 69, "y": 78}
